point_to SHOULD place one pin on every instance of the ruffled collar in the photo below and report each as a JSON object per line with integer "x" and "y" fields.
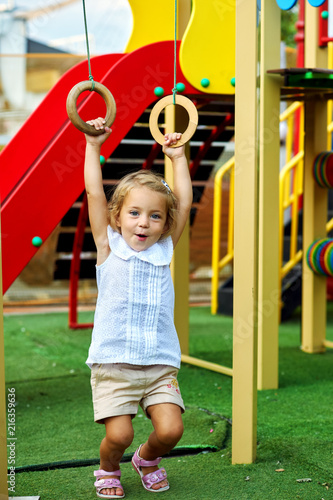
{"x": 159, "y": 254}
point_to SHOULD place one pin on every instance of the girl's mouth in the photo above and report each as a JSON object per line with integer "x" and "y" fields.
{"x": 141, "y": 237}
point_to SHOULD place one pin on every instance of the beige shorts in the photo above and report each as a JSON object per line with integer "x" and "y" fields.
{"x": 118, "y": 388}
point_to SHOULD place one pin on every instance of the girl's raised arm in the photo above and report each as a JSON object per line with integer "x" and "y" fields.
{"x": 97, "y": 204}
{"x": 182, "y": 182}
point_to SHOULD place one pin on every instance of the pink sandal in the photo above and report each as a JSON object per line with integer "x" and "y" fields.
{"x": 102, "y": 484}
{"x": 153, "y": 477}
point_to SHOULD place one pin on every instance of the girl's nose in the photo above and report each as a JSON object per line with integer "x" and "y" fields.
{"x": 143, "y": 222}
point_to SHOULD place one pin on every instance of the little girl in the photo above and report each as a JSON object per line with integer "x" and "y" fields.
{"x": 134, "y": 355}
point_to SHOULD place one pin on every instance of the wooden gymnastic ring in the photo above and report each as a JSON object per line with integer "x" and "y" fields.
{"x": 72, "y": 110}
{"x": 163, "y": 103}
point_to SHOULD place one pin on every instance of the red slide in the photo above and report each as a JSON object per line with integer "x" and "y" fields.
{"x": 41, "y": 169}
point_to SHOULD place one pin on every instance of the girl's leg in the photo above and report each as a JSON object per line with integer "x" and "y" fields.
{"x": 168, "y": 429}
{"x": 119, "y": 436}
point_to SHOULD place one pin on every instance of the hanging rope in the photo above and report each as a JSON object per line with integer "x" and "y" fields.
{"x": 174, "y": 90}
{"x": 90, "y": 85}
{"x": 91, "y": 78}
{"x": 171, "y": 99}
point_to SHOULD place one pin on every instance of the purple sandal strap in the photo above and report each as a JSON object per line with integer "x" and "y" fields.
{"x": 146, "y": 463}
{"x": 102, "y": 472}
{"x": 154, "y": 477}
{"x": 102, "y": 484}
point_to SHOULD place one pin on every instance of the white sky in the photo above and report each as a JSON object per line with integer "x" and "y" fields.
{"x": 109, "y": 24}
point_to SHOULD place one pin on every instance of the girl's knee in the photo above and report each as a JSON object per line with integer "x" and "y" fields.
{"x": 119, "y": 433}
{"x": 121, "y": 439}
{"x": 168, "y": 423}
{"x": 170, "y": 433}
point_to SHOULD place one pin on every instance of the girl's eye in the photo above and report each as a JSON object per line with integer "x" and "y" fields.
{"x": 135, "y": 213}
{"x": 156, "y": 216}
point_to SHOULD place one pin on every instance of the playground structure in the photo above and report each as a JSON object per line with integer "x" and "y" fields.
{"x": 291, "y": 193}
{"x": 57, "y": 157}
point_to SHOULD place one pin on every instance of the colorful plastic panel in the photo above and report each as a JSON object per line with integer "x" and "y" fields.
{"x": 153, "y": 21}
{"x": 207, "y": 53}
{"x": 289, "y": 4}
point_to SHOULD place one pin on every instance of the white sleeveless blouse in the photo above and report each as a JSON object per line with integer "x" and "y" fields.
{"x": 134, "y": 320}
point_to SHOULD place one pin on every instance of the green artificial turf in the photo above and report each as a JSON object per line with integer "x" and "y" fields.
{"x": 45, "y": 363}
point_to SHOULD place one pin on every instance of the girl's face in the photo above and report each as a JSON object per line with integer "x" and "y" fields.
{"x": 142, "y": 218}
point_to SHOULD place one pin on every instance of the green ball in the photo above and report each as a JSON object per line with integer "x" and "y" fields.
{"x": 324, "y": 14}
{"x": 102, "y": 160}
{"x": 205, "y": 82}
{"x": 180, "y": 87}
{"x": 233, "y": 81}
{"x": 159, "y": 91}
{"x": 37, "y": 241}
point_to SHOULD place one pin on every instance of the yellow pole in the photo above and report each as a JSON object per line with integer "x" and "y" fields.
{"x": 269, "y": 166}
{"x": 314, "y": 227}
{"x": 3, "y": 408}
{"x": 216, "y": 240}
{"x": 177, "y": 120}
{"x": 214, "y": 367}
{"x": 315, "y": 198}
{"x": 330, "y": 102}
{"x": 231, "y": 212}
{"x": 244, "y": 408}
{"x": 217, "y": 215}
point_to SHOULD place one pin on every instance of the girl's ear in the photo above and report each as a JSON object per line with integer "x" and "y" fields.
{"x": 115, "y": 224}
{"x": 166, "y": 228}
{"x": 117, "y": 221}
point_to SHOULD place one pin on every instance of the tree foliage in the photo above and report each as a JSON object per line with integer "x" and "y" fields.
{"x": 288, "y": 28}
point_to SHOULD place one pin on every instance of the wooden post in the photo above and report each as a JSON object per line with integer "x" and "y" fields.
{"x": 269, "y": 166}
{"x": 314, "y": 198}
{"x": 176, "y": 119}
{"x": 314, "y": 227}
{"x": 244, "y": 408}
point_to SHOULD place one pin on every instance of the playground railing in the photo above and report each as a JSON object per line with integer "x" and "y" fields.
{"x": 291, "y": 187}
{"x": 217, "y": 263}
{"x": 330, "y": 102}
{"x": 290, "y": 196}
{"x": 291, "y": 190}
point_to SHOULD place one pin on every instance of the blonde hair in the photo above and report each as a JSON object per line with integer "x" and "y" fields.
{"x": 150, "y": 180}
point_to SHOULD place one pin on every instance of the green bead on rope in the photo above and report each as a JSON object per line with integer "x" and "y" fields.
{"x": 180, "y": 87}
